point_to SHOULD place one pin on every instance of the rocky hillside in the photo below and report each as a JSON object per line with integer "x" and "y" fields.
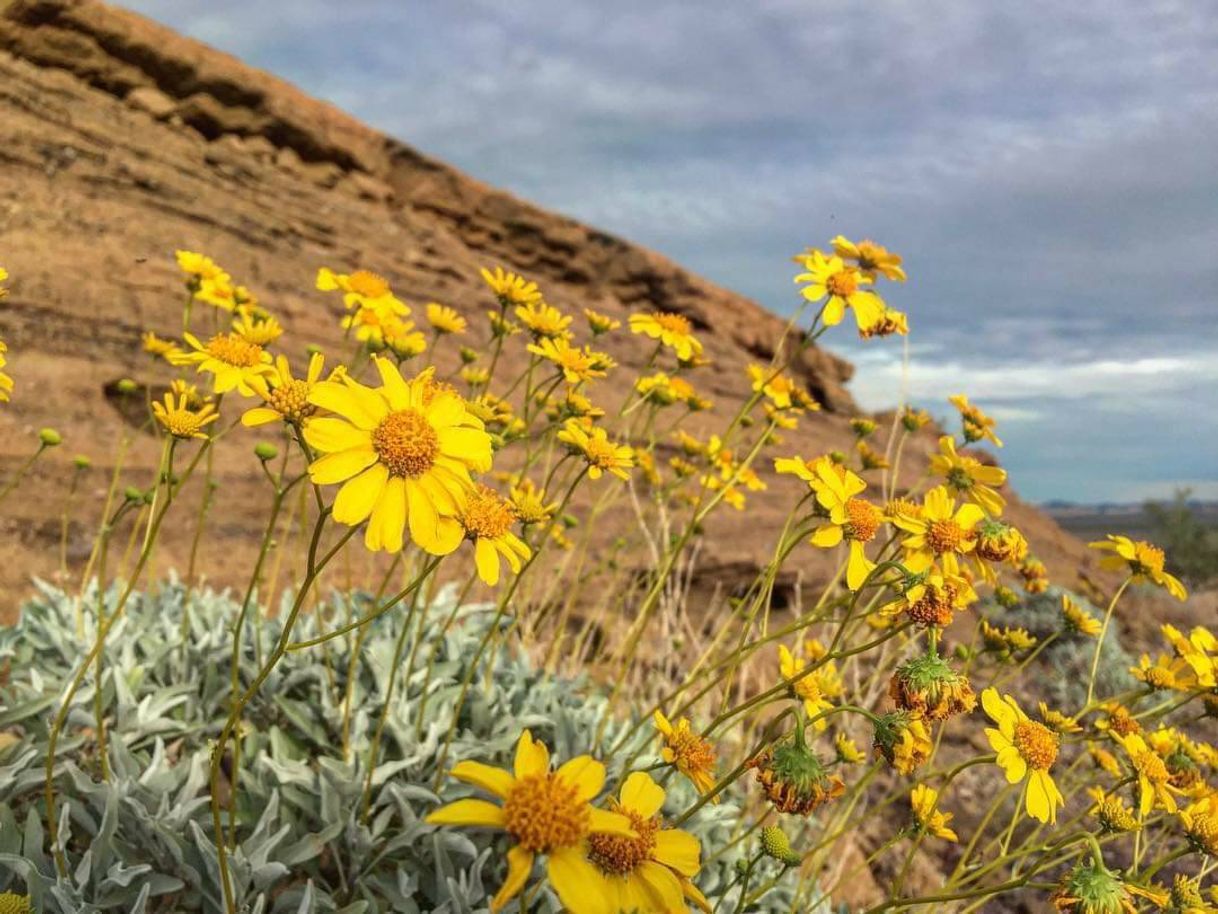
{"x": 123, "y": 141}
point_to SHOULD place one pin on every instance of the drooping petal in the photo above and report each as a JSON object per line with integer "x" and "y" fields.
{"x": 422, "y": 515}
{"x": 520, "y": 865}
{"x": 1013, "y": 764}
{"x": 486, "y": 560}
{"x": 664, "y": 884}
{"x": 488, "y": 777}
{"x": 388, "y": 521}
{"x": 858, "y": 566}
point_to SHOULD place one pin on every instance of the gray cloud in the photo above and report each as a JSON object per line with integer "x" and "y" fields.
{"x": 1047, "y": 169}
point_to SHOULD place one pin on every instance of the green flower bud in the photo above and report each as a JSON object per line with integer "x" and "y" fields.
{"x": 82, "y": 462}
{"x": 49, "y": 437}
{"x": 264, "y": 451}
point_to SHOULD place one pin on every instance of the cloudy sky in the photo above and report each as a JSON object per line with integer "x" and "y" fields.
{"x": 1049, "y": 171}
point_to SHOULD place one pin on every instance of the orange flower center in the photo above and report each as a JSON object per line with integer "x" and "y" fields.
{"x": 673, "y": 323}
{"x": 368, "y": 284}
{"x": 544, "y": 812}
{"x": 487, "y": 516}
{"x": 945, "y": 536}
{"x": 233, "y": 349}
{"x": 618, "y": 856}
{"x": 291, "y": 400}
{"x": 843, "y": 283}
{"x": 1036, "y": 743}
{"x": 863, "y": 520}
{"x": 406, "y": 443}
{"x": 1148, "y": 559}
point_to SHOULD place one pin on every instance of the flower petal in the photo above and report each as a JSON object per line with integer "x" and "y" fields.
{"x": 488, "y": 777}
{"x": 520, "y": 865}
{"x": 468, "y": 812}
{"x": 576, "y": 881}
{"x": 341, "y": 466}
{"x": 532, "y": 756}
{"x": 586, "y": 773}
{"x": 642, "y": 795}
{"x": 679, "y": 850}
{"x": 358, "y": 496}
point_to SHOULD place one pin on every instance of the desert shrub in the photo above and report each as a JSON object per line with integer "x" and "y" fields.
{"x": 1191, "y": 544}
{"x": 143, "y": 839}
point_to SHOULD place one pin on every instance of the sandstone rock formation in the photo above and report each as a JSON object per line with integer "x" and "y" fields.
{"x": 123, "y": 141}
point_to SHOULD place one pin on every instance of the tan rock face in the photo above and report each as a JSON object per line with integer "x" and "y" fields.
{"x": 124, "y": 141}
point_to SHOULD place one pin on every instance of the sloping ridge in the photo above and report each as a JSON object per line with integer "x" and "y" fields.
{"x": 125, "y": 140}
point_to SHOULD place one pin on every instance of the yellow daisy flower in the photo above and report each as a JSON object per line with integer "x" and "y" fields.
{"x": 940, "y": 534}
{"x": 166, "y": 349}
{"x": 361, "y": 289}
{"x": 807, "y": 688}
{"x": 687, "y": 752}
{"x": 3, "y": 278}
{"x": 871, "y": 258}
{"x": 445, "y": 319}
{"x": 672, "y": 330}
{"x": 181, "y": 420}
{"x": 600, "y": 453}
{"x": 977, "y": 425}
{"x": 1154, "y": 780}
{"x": 544, "y": 321}
{"x": 13, "y": 903}
{"x": 224, "y": 295}
{"x": 577, "y": 365}
{"x": 853, "y": 519}
{"x": 487, "y": 519}
{"x": 891, "y": 322}
{"x": 1144, "y": 561}
{"x": 404, "y": 452}
{"x": 830, "y": 278}
{"x": 510, "y": 288}
{"x": 928, "y": 820}
{"x": 650, "y": 872}
{"x": 233, "y": 361}
{"x": 600, "y": 323}
{"x": 258, "y": 329}
{"x": 1026, "y": 749}
{"x": 969, "y": 477}
{"x": 286, "y": 398}
{"x": 543, "y": 812}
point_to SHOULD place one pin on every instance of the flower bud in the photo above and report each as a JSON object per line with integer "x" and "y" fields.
{"x": 49, "y": 437}
{"x": 265, "y": 451}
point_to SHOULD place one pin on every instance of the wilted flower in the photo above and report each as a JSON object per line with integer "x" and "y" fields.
{"x": 794, "y": 780}
{"x": 928, "y": 687}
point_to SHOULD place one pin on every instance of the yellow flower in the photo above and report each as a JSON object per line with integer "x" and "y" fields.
{"x": 806, "y": 688}
{"x": 672, "y": 330}
{"x": 1200, "y": 821}
{"x": 544, "y": 321}
{"x": 259, "y": 330}
{"x": 1078, "y": 620}
{"x": 445, "y": 319}
{"x": 166, "y": 349}
{"x": 6, "y": 383}
{"x": 902, "y": 740}
{"x": 403, "y": 451}
{"x": 543, "y": 812}
{"x": 1113, "y": 813}
{"x": 180, "y": 420}
{"x": 977, "y": 425}
{"x": 1006, "y": 641}
{"x": 530, "y": 504}
{"x": 599, "y": 452}
{"x": 891, "y": 322}
{"x": 577, "y": 365}
{"x": 969, "y": 477}
{"x": 941, "y": 534}
{"x": 781, "y": 389}
{"x": 1172, "y": 673}
{"x": 11, "y": 902}
{"x": 649, "y": 872}
{"x": 871, "y": 258}
{"x": 870, "y": 458}
{"x": 361, "y": 289}
{"x": 1026, "y": 749}
{"x": 847, "y": 750}
{"x": 1142, "y": 560}
{"x": 934, "y": 598}
{"x": 1152, "y": 774}
{"x": 687, "y": 752}
{"x": 510, "y": 288}
{"x": 853, "y": 519}
{"x": 487, "y": 519}
{"x": 914, "y": 419}
{"x": 3, "y": 278}
{"x": 841, "y": 285}
{"x": 1057, "y": 721}
{"x": 199, "y": 266}
{"x": 1196, "y": 651}
{"x": 223, "y": 294}
{"x": 233, "y": 361}
{"x": 286, "y": 398}
{"x": 600, "y": 323}
{"x": 928, "y": 819}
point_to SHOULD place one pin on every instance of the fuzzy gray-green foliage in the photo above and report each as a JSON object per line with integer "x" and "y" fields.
{"x": 142, "y": 841}
{"x": 1070, "y": 655}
